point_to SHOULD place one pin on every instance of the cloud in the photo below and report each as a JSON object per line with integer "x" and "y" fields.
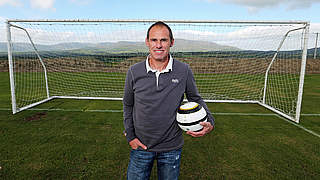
{"x": 36, "y": 4}
{"x": 247, "y": 37}
{"x": 42, "y": 4}
{"x": 314, "y": 32}
{"x": 15, "y": 3}
{"x": 2, "y": 22}
{"x": 261, "y": 37}
{"x": 2, "y": 29}
{"x": 256, "y": 5}
{"x": 2, "y": 19}
{"x": 314, "y": 28}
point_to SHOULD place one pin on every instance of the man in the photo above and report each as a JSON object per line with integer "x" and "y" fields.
{"x": 154, "y": 89}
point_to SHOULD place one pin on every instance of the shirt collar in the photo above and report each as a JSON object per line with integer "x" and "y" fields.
{"x": 167, "y": 69}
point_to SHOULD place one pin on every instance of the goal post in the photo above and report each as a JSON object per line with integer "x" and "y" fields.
{"x": 259, "y": 62}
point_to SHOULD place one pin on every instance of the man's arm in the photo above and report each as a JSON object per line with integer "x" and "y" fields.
{"x": 193, "y": 95}
{"x": 128, "y": 102}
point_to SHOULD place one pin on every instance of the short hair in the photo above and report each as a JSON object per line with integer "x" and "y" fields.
{"x": 160, "y": 23}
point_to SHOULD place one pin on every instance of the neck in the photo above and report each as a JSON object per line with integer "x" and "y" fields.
{"x": 158, "y": 64}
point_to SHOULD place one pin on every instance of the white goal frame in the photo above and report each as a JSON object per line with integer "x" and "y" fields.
{"x": 303, "y": 25}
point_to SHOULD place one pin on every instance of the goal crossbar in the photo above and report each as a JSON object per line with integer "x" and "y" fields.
{"x": 154, "y": 20}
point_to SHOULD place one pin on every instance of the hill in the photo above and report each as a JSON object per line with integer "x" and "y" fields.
{"x": 181, "y": 45}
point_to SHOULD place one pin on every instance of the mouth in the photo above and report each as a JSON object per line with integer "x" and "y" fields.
{"x": 158, "y": 51}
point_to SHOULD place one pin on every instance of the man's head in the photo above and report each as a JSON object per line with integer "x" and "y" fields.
{"x": 159, "y": 40}
{"x": 160, "y": 23}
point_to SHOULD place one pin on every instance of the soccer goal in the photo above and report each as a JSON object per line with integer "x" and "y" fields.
{"x": 259, "y": 62}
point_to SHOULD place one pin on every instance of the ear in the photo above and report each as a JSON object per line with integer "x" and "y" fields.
{"x": 172, "y": 42}
{"x": 147, "y": 41}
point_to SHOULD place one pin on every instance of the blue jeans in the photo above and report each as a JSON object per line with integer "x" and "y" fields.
{"x": 141, "y": 162}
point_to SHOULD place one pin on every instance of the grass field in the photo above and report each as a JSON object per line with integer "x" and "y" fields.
{"x": 82, "y": 139}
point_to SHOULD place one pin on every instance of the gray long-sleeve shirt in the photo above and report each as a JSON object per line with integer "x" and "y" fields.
{"x": 150, "y": 105}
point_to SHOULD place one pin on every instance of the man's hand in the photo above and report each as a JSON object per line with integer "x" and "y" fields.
{"x": 207, "y": 127}
{"x": 135, "y": 143}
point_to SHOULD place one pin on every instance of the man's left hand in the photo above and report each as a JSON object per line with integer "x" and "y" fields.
{"x": 207, "y": 127}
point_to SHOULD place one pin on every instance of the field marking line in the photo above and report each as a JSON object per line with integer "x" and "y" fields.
{"x": 299, "y": 126}
{"x": 309, "y": 114}
{"x": 67, "y": 110}
{"x": 229, "y": 114}
{"x": 120, "y": 110}
{"x": 79, "y": 110}
{"x": 243, "y": 114}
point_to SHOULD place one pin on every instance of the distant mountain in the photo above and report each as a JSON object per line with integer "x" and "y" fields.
{"x": 22, "y": 47}
{"x": 3, "y": 47}
{"x": 181, "y": 45}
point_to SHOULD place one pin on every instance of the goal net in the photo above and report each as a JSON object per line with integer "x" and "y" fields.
{"x": 244, "y": 62}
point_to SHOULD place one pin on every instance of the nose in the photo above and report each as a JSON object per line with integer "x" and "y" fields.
{"x": 158, "y": 44}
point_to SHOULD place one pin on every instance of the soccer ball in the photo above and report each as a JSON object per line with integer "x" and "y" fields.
{"x": 189, "y": 116}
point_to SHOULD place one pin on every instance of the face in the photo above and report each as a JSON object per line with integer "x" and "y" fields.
{"x": 159, "y": 43}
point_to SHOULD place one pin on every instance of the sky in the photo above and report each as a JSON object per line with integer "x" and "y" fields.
{"x": 304, "y": 10}
{"x": 270, "y": 10}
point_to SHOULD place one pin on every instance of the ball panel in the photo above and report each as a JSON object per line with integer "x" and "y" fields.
{"x": 187, "y": 108}
{"x": 191, "y": 117}
{"x": 195, "y": 127}
{"x": 204, "y": 119}
{"x": 188, "y": 105}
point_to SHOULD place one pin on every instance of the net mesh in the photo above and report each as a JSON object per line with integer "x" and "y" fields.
{"x": 90, "y": 59}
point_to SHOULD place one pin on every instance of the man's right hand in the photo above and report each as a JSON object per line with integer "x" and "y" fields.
{"x": 135, "y": 143}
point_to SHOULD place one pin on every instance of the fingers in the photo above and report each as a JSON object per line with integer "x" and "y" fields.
{"x": 135, "y": 143}
{"x": 206, "y": 124}
{"x": 207, "y": 127}
{"x": 197, "y": 134}
{"x": 143, "y": 146}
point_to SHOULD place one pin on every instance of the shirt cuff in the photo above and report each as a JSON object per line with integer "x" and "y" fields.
{"x": 129, "y": 135}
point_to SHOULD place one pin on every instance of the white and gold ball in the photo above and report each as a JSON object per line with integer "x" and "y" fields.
{"x": 189, "y": 116}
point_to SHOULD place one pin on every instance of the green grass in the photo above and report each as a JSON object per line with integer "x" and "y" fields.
{"x": 80, "y": 144}
{"x": 60, "y": 145}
